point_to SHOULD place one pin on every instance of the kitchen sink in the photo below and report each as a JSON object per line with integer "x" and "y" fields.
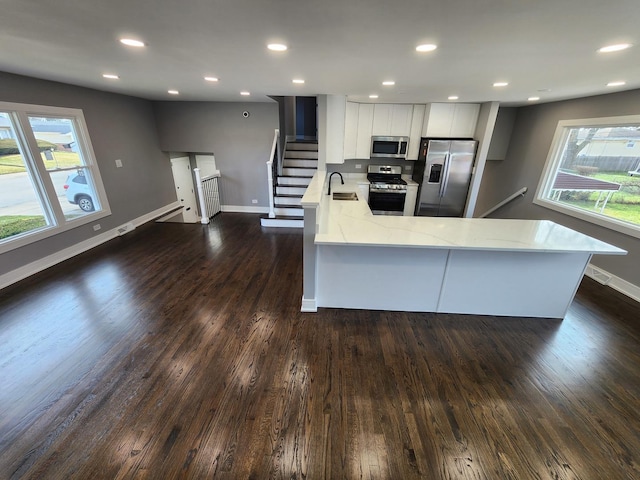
{"x": 345, "y": 196}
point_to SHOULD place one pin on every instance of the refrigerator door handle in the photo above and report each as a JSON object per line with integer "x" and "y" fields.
{"x": 445, "y": 176}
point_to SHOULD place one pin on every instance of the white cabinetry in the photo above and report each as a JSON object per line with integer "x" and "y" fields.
{"x": 381, "y": 119}
{"x": 416, "y": 132}
{"x": 351, "y": 130}
{"x": 451, "y": 120}
{"x": 365, "y": 127}
{"x": 401, "y": 116}
{"x": 363, "y": 191}
{"x": 363, "y": 120}
{"x": 392, "y": 119}
{"x": 335, "y": 128}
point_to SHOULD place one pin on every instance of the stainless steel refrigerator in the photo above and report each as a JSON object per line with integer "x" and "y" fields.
{"x": 443, "y": 170}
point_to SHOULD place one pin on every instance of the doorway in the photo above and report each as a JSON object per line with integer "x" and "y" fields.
{"x": 306, "y": 118}
{"x": 185, "y": 191}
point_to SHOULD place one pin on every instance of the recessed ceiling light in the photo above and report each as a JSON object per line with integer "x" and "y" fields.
{"x": 501, "y": 84}
{"x": 298, "y": 80}
{"x": 132, "y": 42}
{"x": 245, "y": 93}
{"x": 427, "y": 47}
{"x": 388, "y": 83}
{"x": 173, "y": 92}
{"x": 110, "y": 76}
{"x": 453, "y": 97}
{"x": 614, "y": 48}
{"x": 277, "y": 47}
{"x": 616, "y": 84}
{"x": 211, "y": 79}
{"x": 373, "y": 96}
{"x": 533, "y": 99}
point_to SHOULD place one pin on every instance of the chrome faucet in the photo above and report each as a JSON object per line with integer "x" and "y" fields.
{"x": 330, "y": 176}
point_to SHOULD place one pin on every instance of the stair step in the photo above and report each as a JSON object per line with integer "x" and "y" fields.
{"x": 298, "y": 172}
{"x": 300, "y": 154}
{"x": 282, "y": 222}
{"x": 313, "y": 146}
{"x": 288, "y": 211}
{"x": 287, "y": 200}
{"x": 300, "y": 162}
{"x": 295, "y": 181}
{"x": 290, "y": 189}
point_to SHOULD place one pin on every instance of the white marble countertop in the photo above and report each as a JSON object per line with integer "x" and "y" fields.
{"x": 343, "y": 222}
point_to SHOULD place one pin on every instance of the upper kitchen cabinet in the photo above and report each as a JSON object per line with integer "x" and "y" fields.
{"x": 365, "y": 127}
{"x": 416, "y": 132}
{"x": 334, "y": 131}
{"x": 451, "y": 120}
{"x": 392, "y": 119}
{"x": 351, "y": 130}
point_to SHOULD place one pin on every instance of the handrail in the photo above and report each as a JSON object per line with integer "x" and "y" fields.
{"x": 203, "y": 207}
{"x": 522, "y": 191}
{"x": 274, "y": 149}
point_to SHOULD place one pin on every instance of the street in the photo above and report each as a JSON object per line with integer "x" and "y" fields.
{"x": 17, "y": 196}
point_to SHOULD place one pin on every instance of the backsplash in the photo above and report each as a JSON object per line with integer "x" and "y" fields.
{"x": 350, "y": 166}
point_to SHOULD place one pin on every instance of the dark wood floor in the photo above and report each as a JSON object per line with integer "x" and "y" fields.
{"x": 178, "y": 351}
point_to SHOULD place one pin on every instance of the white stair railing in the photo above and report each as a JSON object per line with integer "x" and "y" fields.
{"x": 522, "y": 191}
{"x": 208, "y": 195}
{"x": 203, "y": 208}
{"x": 274, "y": 146}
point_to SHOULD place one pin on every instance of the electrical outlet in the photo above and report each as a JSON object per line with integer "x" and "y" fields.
{"x": 118, "y": 163}
{"x": 254, "y": 201}
{"x": 358, "y": 166}
{"x": 407, "y": 167}
{"x": 96, "y": 227}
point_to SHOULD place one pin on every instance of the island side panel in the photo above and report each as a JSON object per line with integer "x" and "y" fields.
{"x": 525, "y": 284}
{"x": 309, "y": 261}
{"x": 380, "y": 278}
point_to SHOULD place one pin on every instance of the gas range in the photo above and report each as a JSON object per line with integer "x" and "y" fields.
{"x": 387, "y": 190}
{"x": 384, "y": 178}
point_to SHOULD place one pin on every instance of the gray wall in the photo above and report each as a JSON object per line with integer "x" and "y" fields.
{"x": 241, "y": 145}
{"x": 528, "y": 149}
{"x": 120, "y": 127}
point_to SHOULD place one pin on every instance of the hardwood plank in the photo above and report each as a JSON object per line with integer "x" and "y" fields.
{"x": 179, "y": 351}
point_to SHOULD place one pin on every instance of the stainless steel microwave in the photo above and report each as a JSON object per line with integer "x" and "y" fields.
{"x": 389, "y": 147}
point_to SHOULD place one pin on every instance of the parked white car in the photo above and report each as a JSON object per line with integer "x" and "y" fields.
{"x": 79, "y": 192}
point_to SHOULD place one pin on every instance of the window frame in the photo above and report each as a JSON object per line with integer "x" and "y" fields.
{"x": 552, "y": 164}
{"x": 43, "y": 186}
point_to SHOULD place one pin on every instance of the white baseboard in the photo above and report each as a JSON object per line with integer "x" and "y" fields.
{"x": 243, "y": 209}
{"x": 605, "y": 278}
{"x": 69, "y": 252}
{"x": 309, "y": 305}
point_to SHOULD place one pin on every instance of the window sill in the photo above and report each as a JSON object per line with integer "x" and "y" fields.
{"x": 600, "y": 220}
{"x": 11, "y": 243}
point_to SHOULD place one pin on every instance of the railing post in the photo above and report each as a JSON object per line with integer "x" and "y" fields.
{"x": 203, "y": 207}
{"x": 271, "y": 187}
{"x": 272, "y": 212}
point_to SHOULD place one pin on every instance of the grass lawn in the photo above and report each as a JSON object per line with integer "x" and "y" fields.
{"x": 16, "y": 224}
{"x": 620, "y": 211}
{"x": 623, "y": 204}
{"x": 15, "y": 164}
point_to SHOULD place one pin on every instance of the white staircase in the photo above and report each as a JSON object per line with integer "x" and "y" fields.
{"x": 299, "y": 165}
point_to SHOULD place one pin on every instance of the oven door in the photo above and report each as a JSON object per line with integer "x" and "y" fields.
{"x": 386, "y": 202}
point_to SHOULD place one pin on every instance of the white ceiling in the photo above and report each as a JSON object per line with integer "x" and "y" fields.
{"x": 545, "y": 48}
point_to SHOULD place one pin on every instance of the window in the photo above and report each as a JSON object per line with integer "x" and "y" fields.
{"x": 593, "y": 172}
{"x": 49, "y": 179}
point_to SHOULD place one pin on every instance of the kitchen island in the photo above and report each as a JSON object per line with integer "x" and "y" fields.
{"x": 353, "y": 259}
